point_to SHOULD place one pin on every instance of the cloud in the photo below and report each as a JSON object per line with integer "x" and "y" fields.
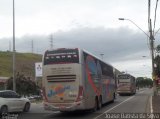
{"x": 80, "y": 24}
{"x": 116, "y": 44}
{"x": 46, "y": 16}
{"x": 122, "y": 47}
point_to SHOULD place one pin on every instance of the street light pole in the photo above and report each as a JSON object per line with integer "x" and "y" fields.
{"x": 13, "y": 61}
{"x": 151, "y": 38}
{"x": 102, "y": 55}
{"x": 135, "y": 25}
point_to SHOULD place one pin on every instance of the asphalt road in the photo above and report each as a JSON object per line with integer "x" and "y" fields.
{"x": 139, "y": 103}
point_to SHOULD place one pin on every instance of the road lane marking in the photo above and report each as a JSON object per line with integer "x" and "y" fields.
{"x": 151, "y": 106}
{"x": 114, "y": 107}
{"x": 141, "y": 92}
{"x": 117, "y": 105}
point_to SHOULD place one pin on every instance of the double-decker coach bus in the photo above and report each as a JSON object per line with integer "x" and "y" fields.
{"x": 126, "y": 84}
{"x": 74, "y": 79}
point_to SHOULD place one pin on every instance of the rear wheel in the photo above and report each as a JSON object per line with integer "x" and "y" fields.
{"x": 135, "y": 92}
{"x": 99, "y": 103}
{"x": 26, "y": 107}
{"x": 113, "y": 98}
{"x": 95, "y": 104}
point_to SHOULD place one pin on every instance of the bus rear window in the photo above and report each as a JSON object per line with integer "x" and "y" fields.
{"x": 61, "y": 56}
{"x": 124, "y": 80}
{"x": 123, "y": 76}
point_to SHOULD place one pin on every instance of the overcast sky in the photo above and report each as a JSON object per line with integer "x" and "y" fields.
{"x": 88, "y": 24}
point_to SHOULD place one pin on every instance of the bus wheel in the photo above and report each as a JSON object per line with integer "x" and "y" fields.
{"x": 113, "y": 98}
{"x": 135, "y": 92}
{"x": 115, "y": 95}
{"x": 95, "y": 104}
{"x": 99, "y": 103}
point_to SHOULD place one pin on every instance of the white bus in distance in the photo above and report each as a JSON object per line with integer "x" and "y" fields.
{"x": 126, "y": 84}
{"x": 74, "y": 79}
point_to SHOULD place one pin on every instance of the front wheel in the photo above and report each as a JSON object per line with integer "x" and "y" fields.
{"x": 26, "y": 107}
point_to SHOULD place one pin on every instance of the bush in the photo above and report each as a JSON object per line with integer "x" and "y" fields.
{"x": 24, "y": 85}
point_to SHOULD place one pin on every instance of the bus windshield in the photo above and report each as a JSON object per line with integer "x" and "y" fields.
{"x": 124, "y": 81}
{"x": 61, "y": 56}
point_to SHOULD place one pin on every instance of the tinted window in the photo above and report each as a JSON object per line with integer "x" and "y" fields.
{"x": 61, "y": 56}
{"x": 2, "y": 94}
{"x": 8, "y": 94}
{"x": 123, "y": 76}
{"x": 101, "y": 67}
{"x": 13, "y": 95}
{"x": 107, "y": 70}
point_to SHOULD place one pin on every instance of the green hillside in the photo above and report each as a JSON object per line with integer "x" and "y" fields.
{"x": 25, "y": 63}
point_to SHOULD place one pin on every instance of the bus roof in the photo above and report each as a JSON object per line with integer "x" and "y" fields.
{"x": 96, "y": 57}
{"x": 83, "y": 51}
{"x": 126, "y": 74}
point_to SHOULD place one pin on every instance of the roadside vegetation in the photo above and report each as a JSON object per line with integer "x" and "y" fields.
{"x": 24, "y": 85}
{"x": 144, "y": 82}
{"x": 25, "y": 72}
{"x": 25, "y": 63}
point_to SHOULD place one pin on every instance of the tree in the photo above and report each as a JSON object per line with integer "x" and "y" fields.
{"x": 144, "y": 82}
{"x": 24, "y": 85}
{"x": 158, "y": 48}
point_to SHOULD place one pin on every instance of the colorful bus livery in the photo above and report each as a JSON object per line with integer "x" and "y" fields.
{"x": 74, "y": 79}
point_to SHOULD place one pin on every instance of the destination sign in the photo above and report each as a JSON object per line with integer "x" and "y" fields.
{"x": 123, "y": 76}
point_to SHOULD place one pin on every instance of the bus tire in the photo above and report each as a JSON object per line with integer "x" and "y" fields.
{"x": 95, "y": 104}
{"x": 135, "y": 92}
{"x": 113, "y": 98}
{"x": 99, "y": 102}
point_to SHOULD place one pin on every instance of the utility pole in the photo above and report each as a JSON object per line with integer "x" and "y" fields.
{"x": 51, "y": 41}
{"x": 152, "y": 55}
{"x": 32, "y": 45}
{"x": 102, "y": 55}
{"x": 151, "y": 39}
